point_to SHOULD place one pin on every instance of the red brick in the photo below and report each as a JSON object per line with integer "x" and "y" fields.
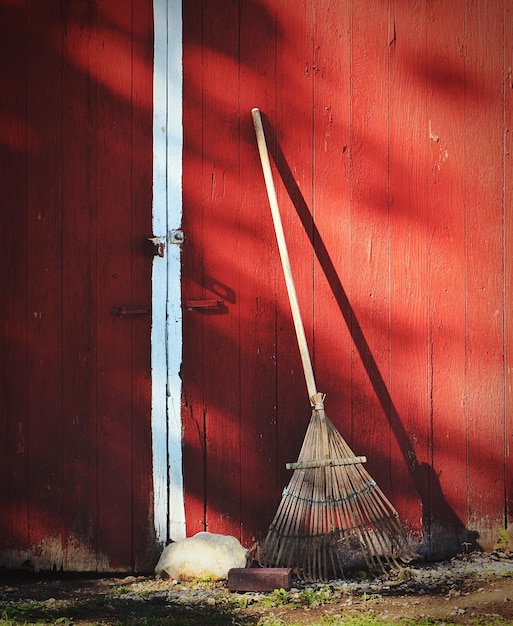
{"x": 259, "y": 578}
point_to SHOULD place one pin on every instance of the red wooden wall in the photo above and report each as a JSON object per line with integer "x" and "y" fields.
{"x": 75, "y": 178}
{"x": 389, "y": 125}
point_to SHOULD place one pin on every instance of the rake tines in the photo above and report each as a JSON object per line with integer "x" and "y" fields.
{"x": 332, "y": 517}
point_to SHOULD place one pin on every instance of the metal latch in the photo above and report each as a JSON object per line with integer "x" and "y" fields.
{"x": 130, "y": 311}
{"x": 203, "y": 304}
{"x": 156, "y": 246}
{"x": 176, "y": 237}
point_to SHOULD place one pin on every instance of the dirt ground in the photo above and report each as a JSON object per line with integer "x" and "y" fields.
{"x": 472, "y": 602}
{"x": 483, "y": 597}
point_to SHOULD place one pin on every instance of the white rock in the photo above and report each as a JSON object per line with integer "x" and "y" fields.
{"x": 205, "y": 555}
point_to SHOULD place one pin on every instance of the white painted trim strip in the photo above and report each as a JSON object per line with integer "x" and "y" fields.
{"x": 169, "y": 510}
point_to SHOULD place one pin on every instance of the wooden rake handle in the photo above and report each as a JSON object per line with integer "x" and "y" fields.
{"x": 284, "y": 254}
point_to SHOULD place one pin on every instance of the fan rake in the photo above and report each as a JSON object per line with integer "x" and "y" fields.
{"x": 332, "y": 516}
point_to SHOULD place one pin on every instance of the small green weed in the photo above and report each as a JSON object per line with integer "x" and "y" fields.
{"x": 205, "y": 579}
{"x": 308, "y": 596}
{"x": 368, "y": 597}
{"x": 279, "y": 597}
{"x": 504, "y": 542}
{"x": 405, "y": 573}
{"x": 316, "y": 597}
{"x": 241, "y": 602}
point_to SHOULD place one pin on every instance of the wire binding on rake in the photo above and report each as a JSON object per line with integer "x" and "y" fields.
{"x": 322, "y": 463}
{"x": 350, "y": 496}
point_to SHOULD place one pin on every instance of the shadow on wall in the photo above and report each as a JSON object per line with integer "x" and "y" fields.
{"x": 444, "y": 532}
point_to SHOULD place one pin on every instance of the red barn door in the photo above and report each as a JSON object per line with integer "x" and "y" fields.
{"x": 75, "y": 283}
{"x": 390, "y": 127}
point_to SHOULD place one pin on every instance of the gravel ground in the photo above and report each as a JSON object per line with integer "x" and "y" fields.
{"x": 473, "y": 589}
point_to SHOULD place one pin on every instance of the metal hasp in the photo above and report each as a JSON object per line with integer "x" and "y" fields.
{"x": 155, "y": 246}
{"x": 130, "y": 311}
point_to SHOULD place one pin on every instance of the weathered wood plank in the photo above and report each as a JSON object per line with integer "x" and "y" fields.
{"x": 17, "y": 141}
{"x": 370, "y": 238}
{"x": 193, "y": 370}
{"x": 221, "y": 272}
{"x": 484, "y": 266}
{"x": 292, "y": 122}
{"x": 144, "y": 547}
{"x": 259, "y": 266}
{"x": 79, "y": 516}
{"x": 445, "y": 104}
{"x": 44, "y": 294}
{"x": 409, "y": 410}
{"x": 114, "y": 286}
{"x": 508, "y": 253}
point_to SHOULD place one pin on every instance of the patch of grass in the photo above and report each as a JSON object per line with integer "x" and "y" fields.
{"x": 356, "y": 620}
{"x": 159, "y": 612}
{"x": 6, "y": 620}
{"x": 309, "y": 597}
{"x": 207, "y": 617}
{"x": 30, "y": 613}
{"x": 117, "y": 611}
